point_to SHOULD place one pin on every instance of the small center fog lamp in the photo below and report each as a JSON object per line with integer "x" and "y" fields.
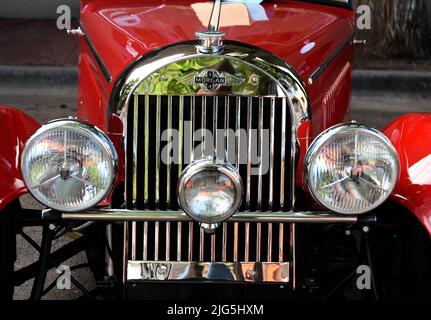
{"x": 210, "y": 192}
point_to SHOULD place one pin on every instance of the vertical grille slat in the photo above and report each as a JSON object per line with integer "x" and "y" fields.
{"x": 201, "y": 245}
{"x": 224, "y": 243}
{"x": 145, "y": 242}
{"x": 269, "y": 245}
{"x": 258, "y": 122}
{"x": 156, "y": 240}
{"x": 158, "y": 137}
{"x": 134, "y": 241}
{"x": 168, "y": 156}
{"x": 190, "y": 242}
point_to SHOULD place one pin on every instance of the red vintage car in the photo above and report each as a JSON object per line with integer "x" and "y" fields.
{"x": 212, "y": 153}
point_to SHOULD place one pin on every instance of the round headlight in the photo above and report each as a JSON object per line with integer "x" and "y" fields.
{"x": 68, "y": 165}
{"x": 351, "y": 168}
{"x": 210, "y": 192}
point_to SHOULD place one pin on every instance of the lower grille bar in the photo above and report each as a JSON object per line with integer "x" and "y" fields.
{"x": 214, "y": 271}
{"x": 149, "y": 215}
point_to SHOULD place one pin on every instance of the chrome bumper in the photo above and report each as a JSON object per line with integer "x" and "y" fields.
{"x": 209, "y": 271}
{"x": 136, "y": 269}
{"x": 118, "y": 215}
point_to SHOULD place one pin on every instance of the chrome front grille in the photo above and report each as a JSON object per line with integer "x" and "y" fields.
{"x": 232, "y": 242}
{"x": 151, "y": 183}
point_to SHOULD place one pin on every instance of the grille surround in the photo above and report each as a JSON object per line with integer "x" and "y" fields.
{"x": 277, "y": 80}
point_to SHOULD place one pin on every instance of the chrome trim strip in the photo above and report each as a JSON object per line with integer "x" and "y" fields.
{"x": 96, "y": 55}
{"x": 168, "y": 241}
{"x": 135, "y": 145}
{"x": 193, "y": 128}
{"x": 168, "y": 155}
{"x": 292, "y": 247}
{"x": 247, "y": 242}
{"x": 257, "y": 272}
{"x": 156, "y": 240}
{"x": 158, "y": 143}
{"x": 213, "y": 248}
{"x": 237, "y": 133}
{"x": 269, "y": 254}
{"x": 135, "y": 152}
{"x": 179, "y": 244}
{"x": 201, "y": 244}
{"x": 283, "y": 155}
{"x": 249, "y": 125}
{"x": 148, "y": 215}
{"x": 281, "y": 242}
{"x": 204, "y": 126}
{"x": 181, "y": 135}
{"x": 190, "y": 253}
{"x": 235, "y": 241}
{"x": 319, "y": 71}
{"x": 271, "y": 155}
{"x": 224, "y": 243}
{"x": 258, "y": 241}
{"x": 214, "y": 129}
{"x": 147, "y": 147}
{"x": 145, "y": 244}
{"x": 125, "y": 250}
{"x": 260, "y": 177}
{"x": 108, "y": 257}
{"x": 134, "y": 240}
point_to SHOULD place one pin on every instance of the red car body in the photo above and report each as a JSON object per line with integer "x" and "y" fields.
{"x": 305, "y": 35}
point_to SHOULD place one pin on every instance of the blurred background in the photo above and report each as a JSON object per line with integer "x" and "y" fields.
{"x": 38, "y": 74}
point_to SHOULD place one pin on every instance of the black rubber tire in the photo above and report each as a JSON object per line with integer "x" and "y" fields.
{"x": 7, "y": 251}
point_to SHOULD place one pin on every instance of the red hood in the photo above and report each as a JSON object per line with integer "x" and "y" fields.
{"x": 303, "y": 34}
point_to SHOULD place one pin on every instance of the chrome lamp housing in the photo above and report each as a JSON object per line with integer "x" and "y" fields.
{"x": 69, "y": 165}
{"x": 210, "y": 191}
{"x": 351, "y": 168}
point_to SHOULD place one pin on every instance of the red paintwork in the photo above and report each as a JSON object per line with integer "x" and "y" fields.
{"x": 123, "y": 31}
{"x": 411, "y": 136}
{"x": 16, "y": 127}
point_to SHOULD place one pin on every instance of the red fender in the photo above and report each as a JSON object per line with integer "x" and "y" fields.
{"x": 411, "y": 136}
{"x": 15, "y": 128}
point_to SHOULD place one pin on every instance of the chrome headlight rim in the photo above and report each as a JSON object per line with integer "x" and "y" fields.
{"x": 91, "y": 132}
{"x": 343, "y": 128}
{"x": 199, "y": 166}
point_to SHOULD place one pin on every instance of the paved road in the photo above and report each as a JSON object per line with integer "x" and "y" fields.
{"x": 373, "y": 107}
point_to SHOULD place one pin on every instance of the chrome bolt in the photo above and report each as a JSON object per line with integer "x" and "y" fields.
{"x": 251, "y": 274}
{"x": 348, "y": 232}
{"x": 75, "y": 32}
{"x": 51, "y": 227}
{"x": 366, "y": 229}
{"x": 255, "y": 79}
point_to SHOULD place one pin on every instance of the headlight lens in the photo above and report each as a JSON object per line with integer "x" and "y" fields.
{"x": 210, "y": 192}
{"x": 351, "y": 168}
{"x": 68, "y": 165}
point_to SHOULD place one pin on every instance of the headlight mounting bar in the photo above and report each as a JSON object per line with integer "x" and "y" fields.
{"x": 123, "y": 215}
